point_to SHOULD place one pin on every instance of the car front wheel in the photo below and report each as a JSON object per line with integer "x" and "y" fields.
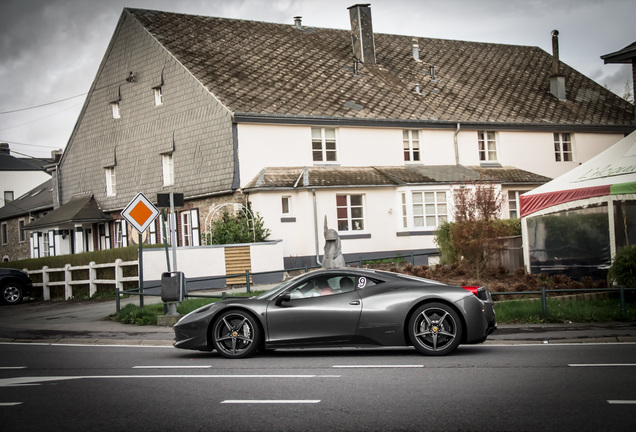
{"x": 235, "y": 334}
{"x": 435, "y": 329}
{"x": 11, "y": 293}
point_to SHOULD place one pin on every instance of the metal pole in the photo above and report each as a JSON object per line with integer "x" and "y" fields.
{"x": 173, "y": 232}
{"x": 544, "y": 300}
{"x": 141, "y": 272}
{"x": 165, "y": 238}
{"x": 623, "y": 307}
{"x": 247, "y": 280}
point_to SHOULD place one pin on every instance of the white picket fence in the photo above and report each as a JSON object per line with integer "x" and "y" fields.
{"x": 92, "y": 280}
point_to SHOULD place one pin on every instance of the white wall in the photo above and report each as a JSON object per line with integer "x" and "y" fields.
{"x": 20, "y": 182}
{"x": 204, "y": 261}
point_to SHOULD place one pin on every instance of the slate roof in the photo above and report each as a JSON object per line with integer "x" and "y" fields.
{"x": 262, "y": 70}
{"x": 322, "y": 177}
{"x": 37, "y": 199}
{"x": 79, "y": 210}
{"x": 12, "y": 163}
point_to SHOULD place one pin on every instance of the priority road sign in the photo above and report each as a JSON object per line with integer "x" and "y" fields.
{"x": 140, "y": 213}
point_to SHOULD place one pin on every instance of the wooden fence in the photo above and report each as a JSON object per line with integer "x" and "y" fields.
{"x": 92, "y": 280}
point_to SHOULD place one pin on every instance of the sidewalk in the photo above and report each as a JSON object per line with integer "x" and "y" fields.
{"x": 87, "y": 322}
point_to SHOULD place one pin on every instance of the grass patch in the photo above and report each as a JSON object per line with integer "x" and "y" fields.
{"x": 560, "y": 311}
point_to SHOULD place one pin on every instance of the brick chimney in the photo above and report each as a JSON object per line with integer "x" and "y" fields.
{"x": 362, "y": 33}
{"x": 557, "y": 81}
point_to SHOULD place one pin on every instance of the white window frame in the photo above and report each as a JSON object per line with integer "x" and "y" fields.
{"x": 167, "y": 163}
{"x": 190, "y": 228}
{"x": 487, "y": 146}
{"x": 560, "y": 153}
{"x": 121, "y": 233}
{"x": 513, "y": 198}
{"x": 104, "y": 240}
{"x": 158, "y": 92}
{"x": 411, "y": 145}
{"x": 111, "y": 182}
{"x": 424, "y": 209}
{"x": 350, "y": 213}
{"x": 51, "y": 242}
{"x": 324, "y": 145}
{"x": 114, "y": 108}
{"x": 286, "y": 205}
{"x": 35, "y": 244}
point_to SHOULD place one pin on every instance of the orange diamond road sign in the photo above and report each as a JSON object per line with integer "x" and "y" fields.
{"x": 140, "y": 213}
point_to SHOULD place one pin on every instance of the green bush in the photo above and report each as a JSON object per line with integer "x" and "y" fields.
{"x": 623, "y": 269}
{"x": 447, "y": 250}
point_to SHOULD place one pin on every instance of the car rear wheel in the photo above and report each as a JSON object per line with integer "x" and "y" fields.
{"x": 11, "y": 293}
{"x": 235, "y": 334}
{"x": 435, "y": 329}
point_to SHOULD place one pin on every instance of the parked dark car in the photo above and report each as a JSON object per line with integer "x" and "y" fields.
{"x": 15, "y": 285}
{"x": 343, "y": 307}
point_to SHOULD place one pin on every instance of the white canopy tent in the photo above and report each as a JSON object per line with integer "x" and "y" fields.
{"x": 575, "y": 223}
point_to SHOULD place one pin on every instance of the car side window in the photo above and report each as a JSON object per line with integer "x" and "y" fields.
{"x": 322, "y": 286}
{"x": 364, "y": 282}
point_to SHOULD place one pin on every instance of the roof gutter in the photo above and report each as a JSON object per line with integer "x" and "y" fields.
{"x": 424, "y": 124}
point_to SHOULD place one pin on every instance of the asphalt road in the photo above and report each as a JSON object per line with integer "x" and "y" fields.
{"x": 497, "y": 387}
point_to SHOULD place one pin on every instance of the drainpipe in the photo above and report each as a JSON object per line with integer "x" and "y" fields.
{"x": 313, "y": 191}
{"x": 456, "y": 145}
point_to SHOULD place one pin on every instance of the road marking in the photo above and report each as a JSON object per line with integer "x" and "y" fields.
{"x": 273, "y": 401}
{"x": 621, "y": 402}
{"x": 602, "y": 364}
{"x": 378, "y": 366}
{"x": 173, "y": 367}
{"x": 8, "y": 404}
{"x": 10, "y": 382}
{"x": 12, "y": 367}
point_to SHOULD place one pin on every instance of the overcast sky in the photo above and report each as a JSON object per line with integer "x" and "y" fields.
{"x": 50, "y": 49}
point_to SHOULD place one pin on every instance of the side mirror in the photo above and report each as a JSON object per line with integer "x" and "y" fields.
{"x": 284, "y": 298}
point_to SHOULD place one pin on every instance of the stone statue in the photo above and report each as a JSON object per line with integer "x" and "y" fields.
{"x": 333, "y": 255}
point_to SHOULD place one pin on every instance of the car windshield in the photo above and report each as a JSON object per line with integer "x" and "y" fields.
{"x": 279, "y": 287}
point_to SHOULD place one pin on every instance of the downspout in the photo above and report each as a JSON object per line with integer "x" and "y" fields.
{"x": 456, "y": 145}
{"x": 313, "y": 191}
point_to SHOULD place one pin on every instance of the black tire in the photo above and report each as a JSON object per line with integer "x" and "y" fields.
{"x": 235, "y": 334}
{"x": 12, "y": 293}
{"x": 435, "y": 329}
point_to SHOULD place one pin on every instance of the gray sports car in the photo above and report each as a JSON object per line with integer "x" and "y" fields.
{"x": 343, "y": 307}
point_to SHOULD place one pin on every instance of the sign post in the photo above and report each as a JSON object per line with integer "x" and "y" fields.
{"x": 140, "y": 213}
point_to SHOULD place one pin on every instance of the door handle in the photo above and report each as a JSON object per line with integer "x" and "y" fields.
{"x": 354, "y": 302}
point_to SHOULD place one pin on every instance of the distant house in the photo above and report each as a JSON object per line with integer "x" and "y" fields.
{"x": 19, "y": 175}
{"x": 17, "y": 214}
{"x": 373, "y": 131}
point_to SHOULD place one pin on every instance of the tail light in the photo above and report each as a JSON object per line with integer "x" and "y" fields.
{"x": 480, "y": 291}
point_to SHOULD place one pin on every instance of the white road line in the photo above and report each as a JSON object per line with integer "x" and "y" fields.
{"x": 602, "y": 364}
{"x": 273, "y": 401}
{"x": 621, "y": 402}
{"x": 12, "y": 367}
{"x": 377, "y": 366}
{"x": 173, "y": 367}
{"x": 8, "y": 404}
{"x": 10, "y": 382}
